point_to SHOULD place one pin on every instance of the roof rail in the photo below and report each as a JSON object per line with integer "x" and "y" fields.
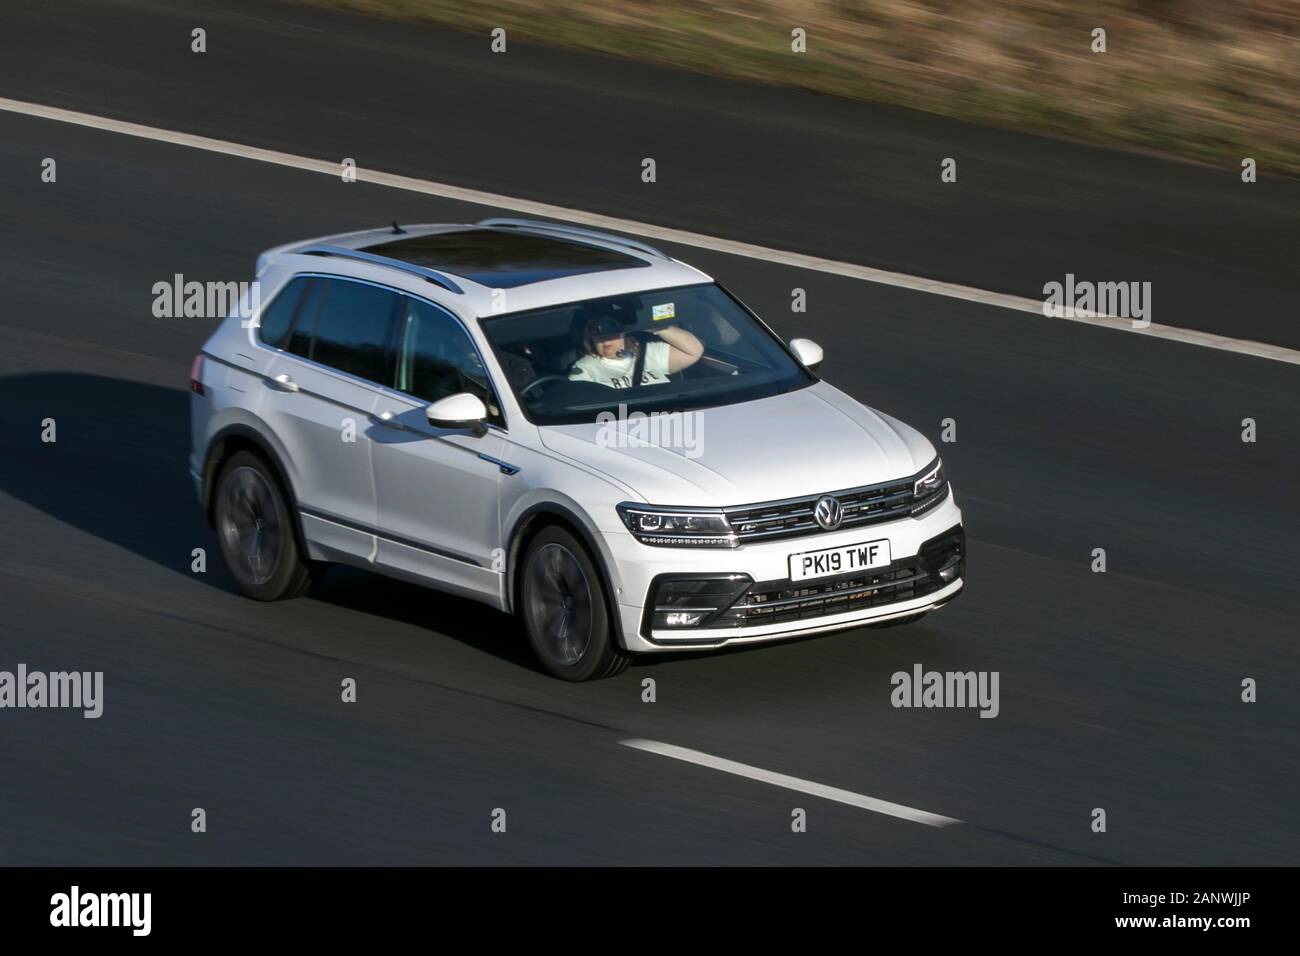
{"x": 429, "y": 275}
{"x": 575, "y": 232}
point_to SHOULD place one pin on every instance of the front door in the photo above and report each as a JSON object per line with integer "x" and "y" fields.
{"x": 436, "y": 489}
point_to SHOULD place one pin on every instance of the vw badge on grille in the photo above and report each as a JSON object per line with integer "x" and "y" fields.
{"x": 828, "y": 513}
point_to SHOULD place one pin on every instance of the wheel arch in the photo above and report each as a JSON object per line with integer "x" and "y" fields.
{"x": 533, "y": 520}
{"x": 241, "y": 437}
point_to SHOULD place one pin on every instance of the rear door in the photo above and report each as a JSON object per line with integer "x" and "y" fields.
{"x": 320, "y": 392}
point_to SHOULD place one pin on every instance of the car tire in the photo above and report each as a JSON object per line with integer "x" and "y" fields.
{"x": 900, "y": 621}
{"x": 256, "y": 531}
{"x": 564, "y": 611}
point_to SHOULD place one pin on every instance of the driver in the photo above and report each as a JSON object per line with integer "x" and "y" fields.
{"x": 609, "y": 354}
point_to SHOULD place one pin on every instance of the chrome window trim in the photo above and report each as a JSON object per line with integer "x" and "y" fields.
{"x": 358, "y": 380}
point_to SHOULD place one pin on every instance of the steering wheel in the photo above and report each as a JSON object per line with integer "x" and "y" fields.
{"x": 539, "y": 380}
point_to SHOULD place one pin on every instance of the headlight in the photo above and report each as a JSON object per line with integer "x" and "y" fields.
{"x": 930, "y": 487}
{"x": 687, "y": 529}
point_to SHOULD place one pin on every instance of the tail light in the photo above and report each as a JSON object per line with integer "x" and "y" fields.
{"x": 196, "y": 375}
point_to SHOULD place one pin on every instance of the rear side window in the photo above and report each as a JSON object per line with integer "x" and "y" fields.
{"x": 353, "y": 327}
{"x": 273, "y": 327}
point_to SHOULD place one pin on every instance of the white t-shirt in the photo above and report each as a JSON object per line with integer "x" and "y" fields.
{"x": 617, "y": 373}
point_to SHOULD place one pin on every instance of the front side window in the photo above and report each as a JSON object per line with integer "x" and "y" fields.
{"x": 664, "y": 350}
{"x": 436, "y": 358}
{"x": 354, "y": 323}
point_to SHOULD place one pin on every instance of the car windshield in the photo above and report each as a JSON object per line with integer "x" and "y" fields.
{"x": 694, "y": 347}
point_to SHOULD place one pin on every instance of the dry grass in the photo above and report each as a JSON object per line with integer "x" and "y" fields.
{"x": 1212, "y": 80}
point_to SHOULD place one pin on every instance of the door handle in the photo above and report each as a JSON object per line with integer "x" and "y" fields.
{"x": 284, "y": 383}
{"x": 389, "y": 419}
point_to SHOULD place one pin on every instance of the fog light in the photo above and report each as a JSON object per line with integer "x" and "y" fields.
{"x": 948, "y": 572}
{"x": 692, "y": 601}
{"x": 683, "y": 618}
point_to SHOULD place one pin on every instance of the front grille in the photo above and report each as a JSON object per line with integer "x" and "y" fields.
{"x": 861, "y": 506}
{"x": 776, "y": 602}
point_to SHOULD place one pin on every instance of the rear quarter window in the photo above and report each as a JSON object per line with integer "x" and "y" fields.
{"x": 276, "y": 318}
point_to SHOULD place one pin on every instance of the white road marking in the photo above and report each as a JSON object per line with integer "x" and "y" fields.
{"x": 798, "y": 260}
{"x": 791, "y": 783}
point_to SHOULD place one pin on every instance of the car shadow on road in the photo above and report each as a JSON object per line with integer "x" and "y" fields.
{"x": 117, "y": 470}
{"x": 116, "y": 467}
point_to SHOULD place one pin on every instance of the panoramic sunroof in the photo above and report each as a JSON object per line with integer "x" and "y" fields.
{"x": 502, "y": 259}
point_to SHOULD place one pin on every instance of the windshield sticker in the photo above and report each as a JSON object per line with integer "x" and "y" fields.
{"x": 661, "y": 312}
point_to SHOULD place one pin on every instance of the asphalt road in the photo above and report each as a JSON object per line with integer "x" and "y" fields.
{"x": 1118, "y": 690}
{"x": 771, "y": 166}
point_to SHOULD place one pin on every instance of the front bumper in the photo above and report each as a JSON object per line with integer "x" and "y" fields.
{"x": 767, "y": 606}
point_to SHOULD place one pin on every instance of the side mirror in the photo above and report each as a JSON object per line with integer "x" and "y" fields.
{"x": 461, "y": 410}
{"x": 808, "y": 352}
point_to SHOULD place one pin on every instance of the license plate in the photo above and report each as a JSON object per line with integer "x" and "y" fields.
{"x": 842, "y": 560}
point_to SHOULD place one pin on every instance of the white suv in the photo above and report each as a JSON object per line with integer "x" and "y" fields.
{"x": 566, "y": 425}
